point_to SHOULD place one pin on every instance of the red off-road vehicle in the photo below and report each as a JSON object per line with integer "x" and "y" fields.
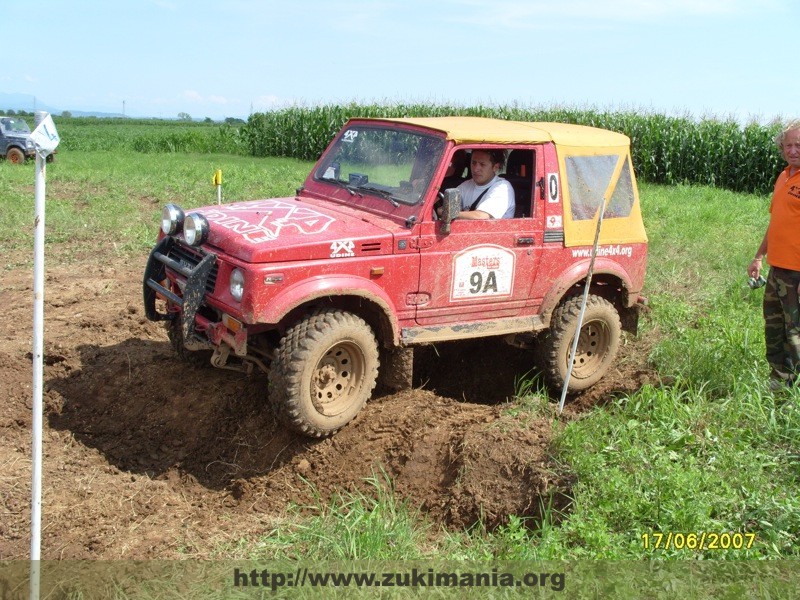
{"x": 328, "y": 291}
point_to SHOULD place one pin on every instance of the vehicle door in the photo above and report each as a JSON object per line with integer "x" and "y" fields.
{"x": 481, "y": 269}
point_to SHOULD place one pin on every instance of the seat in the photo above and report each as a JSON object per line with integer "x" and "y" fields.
{"x": 519, "y": 173}
{"x": 459, "y": 164}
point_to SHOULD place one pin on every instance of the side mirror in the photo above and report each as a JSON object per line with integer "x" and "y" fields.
{"x": 451, "y": 207}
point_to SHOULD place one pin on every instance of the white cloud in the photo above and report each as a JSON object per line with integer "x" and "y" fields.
{"x": 192, "y": 96}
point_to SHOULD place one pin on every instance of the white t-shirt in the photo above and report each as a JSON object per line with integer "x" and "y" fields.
{"x": 498, "y": 201}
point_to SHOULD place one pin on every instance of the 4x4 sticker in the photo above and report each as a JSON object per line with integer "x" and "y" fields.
{"x": 483, "y": 271}
{"x": 343, "y": 249}
{"x": 350, "y": 136}
{"x": 277, "y": 216}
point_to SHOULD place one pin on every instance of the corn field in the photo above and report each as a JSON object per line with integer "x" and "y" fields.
{"x": 666, "y": 150}
{"x": 150, "y": 136}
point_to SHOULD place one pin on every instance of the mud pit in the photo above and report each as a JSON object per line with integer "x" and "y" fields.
{"x": 145, "y": 457}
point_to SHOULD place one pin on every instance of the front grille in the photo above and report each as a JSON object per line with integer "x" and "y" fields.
{"x": 190, "y": 259}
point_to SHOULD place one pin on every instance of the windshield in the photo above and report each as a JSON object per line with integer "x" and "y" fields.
{"x": 10, "y": 125}
{"x": 391, "y": 164}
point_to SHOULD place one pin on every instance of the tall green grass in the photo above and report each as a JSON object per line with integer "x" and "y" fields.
{"x": 665, "y": 149}
{"x": 87, "y": 134}
{"x": 349, "y": 526}
{"x": 110, "y": 201}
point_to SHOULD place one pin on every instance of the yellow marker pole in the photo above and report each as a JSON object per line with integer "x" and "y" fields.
{"x": 217, "y": 180}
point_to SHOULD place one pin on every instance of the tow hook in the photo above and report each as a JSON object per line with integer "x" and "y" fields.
{"x": 220, "y": 360}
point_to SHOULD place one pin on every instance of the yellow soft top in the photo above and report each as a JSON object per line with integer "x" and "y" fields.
{"x": 481, "y": 130}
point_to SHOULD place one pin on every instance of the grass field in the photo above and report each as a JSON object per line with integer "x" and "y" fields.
{"x": 711, "y": 450}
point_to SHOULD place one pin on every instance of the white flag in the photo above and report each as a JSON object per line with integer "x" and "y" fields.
{"x": 45, "y": 137}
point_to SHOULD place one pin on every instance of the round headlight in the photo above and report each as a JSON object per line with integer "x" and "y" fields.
{"x": 171, "y": 219}
{"x": 195, "y": 229}
{"x": 237, "y": 284}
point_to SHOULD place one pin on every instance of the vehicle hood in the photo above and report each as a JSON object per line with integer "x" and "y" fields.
{"x": 17, "y": 136}
{"x": 286, "y": 229}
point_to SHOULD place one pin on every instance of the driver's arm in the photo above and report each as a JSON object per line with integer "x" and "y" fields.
{"x": 474, "y": 214}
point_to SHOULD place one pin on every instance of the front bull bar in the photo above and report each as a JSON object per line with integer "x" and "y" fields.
{"x": 193, "y": 292}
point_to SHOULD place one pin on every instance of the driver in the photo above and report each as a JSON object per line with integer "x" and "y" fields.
{"x": 487, "y": 195}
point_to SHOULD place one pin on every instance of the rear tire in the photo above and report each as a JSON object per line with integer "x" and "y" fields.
{"x": 397, "y": 369}
{"x": 597, "y": 345}
{"x": 324, "y": 371}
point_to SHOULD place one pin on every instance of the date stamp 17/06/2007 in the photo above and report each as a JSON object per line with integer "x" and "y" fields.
{"x": 698, "y": 541}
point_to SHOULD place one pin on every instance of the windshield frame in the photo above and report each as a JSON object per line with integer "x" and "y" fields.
{"x": 11, "y": 126}
{"x": 412, "y": 168}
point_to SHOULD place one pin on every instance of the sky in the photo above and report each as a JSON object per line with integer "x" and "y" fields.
{"x": 159, "y": 58}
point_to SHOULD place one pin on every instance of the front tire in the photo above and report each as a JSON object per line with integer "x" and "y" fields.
{"x": 324, "y": 371}
{"x": 15, "y": 156}
{"x": 597, "y": 345}
{"x": 195, "y": 358}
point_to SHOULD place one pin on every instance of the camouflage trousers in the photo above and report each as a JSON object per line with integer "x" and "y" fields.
{"x": 782, "y": 323}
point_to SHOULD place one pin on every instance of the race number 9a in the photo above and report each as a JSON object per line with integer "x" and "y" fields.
{"x": 483, "y": 271}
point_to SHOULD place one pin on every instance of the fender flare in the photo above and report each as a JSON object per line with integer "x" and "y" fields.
{"x": 322, "y": 286}
{"x": 577, "y": 273}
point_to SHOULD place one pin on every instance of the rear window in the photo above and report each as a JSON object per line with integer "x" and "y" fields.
{"x": 590, "y": 178}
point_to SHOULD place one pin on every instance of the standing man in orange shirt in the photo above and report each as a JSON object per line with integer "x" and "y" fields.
{"x": 781, "y": 246}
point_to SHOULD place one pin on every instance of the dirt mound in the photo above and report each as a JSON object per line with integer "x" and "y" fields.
{"x": 147, "y": 457}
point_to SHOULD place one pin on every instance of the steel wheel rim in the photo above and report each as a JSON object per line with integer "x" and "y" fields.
{"x": 337, "y": 378}
{"x": 592, "y": 347}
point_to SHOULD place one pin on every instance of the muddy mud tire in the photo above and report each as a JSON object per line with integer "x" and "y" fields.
{"x": 397, "y": 369}
{"x": 597, "y": 346}
{"x": 198, "y": 358}
{"x": 15, "y": 156}
{"x": 324, "y": 371}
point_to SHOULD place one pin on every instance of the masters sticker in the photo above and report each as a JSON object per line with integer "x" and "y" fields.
{"x": 483, "y": 271}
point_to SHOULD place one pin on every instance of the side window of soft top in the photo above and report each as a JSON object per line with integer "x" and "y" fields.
{"x": 519, "y": 171}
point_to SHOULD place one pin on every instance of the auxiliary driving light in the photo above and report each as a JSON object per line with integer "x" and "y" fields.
{"x": 195, "y": 229}
{"x": 171, "y": 219}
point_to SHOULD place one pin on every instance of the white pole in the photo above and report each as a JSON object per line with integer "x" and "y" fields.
{"x": 38, "y": 353}
{"x": 574, "y": 349}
